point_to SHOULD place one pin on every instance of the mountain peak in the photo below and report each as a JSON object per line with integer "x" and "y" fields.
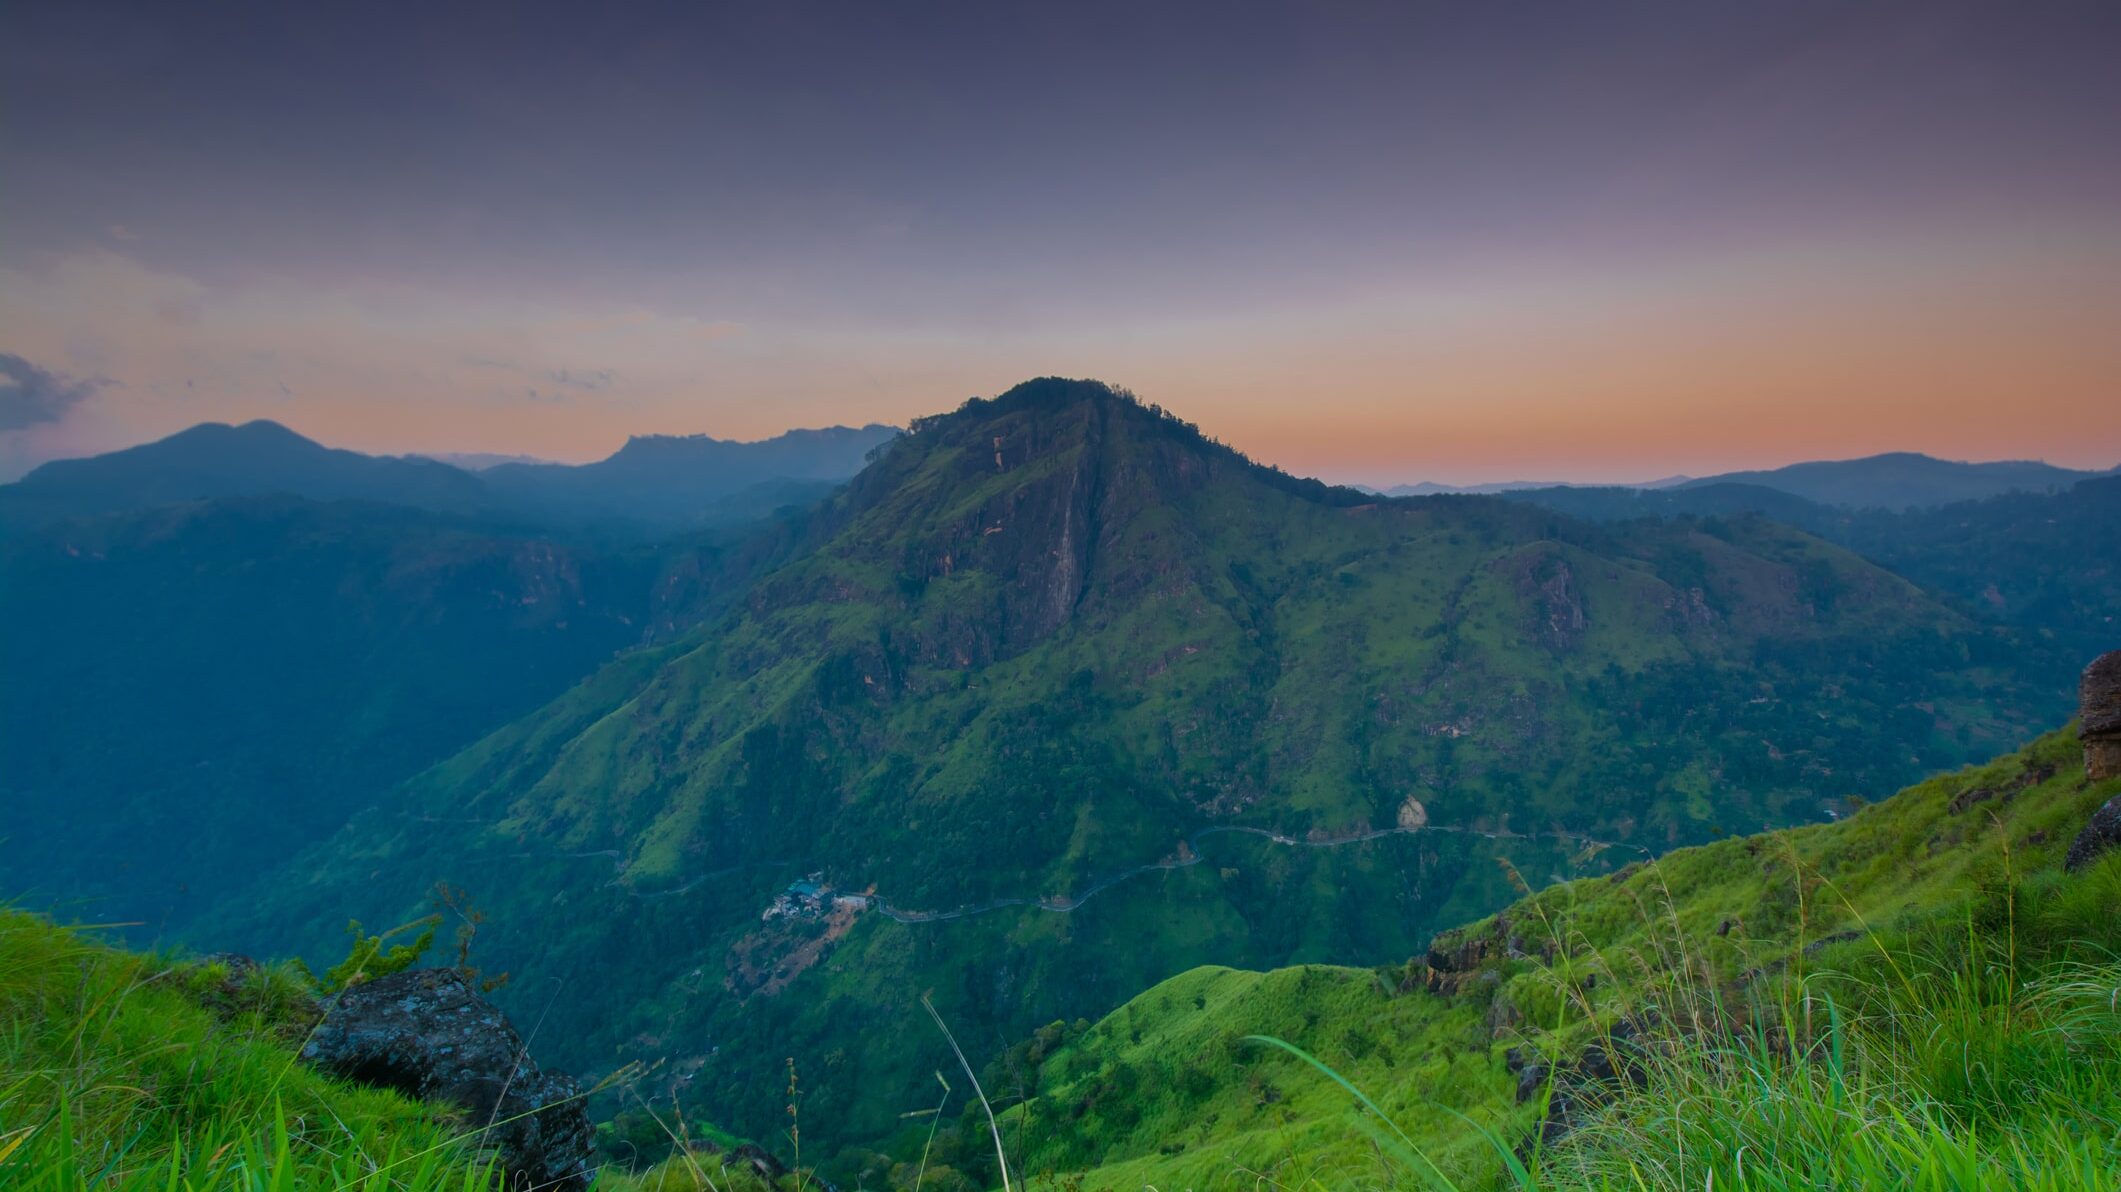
{"x": 1039, "y": 395}
{"x": 1047, "y": 416}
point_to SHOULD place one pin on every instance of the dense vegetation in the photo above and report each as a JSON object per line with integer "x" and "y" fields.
{"x": 1059, "y": 701}
{"x": 2041, "y": 563}
{"x": 1915, "y": 996}
{"x": 1023, "y": 663}
{"x": 194, "y": 687}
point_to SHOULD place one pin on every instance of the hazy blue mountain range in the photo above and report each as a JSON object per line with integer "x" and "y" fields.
{"x": 214, "y": 459}
{"x": 653, "y": 483}
{"x": 477, "y": 461}
{"x": 1906, "y": 479}
{"x": 688, "y": 479}
{"x": 1896, "y": 480}
{"x": 1429, "y": 488}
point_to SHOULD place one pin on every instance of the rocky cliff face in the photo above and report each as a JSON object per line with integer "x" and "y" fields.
{"x": 2099, "y": 713}
{"x": 427, "y": 1033}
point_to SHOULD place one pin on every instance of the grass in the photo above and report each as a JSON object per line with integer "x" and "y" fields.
{"x": 1953, "y": 1087}
{"x": 130, "y": 1072}
{"x": 1929, "y": 1063}
{"x": 1915, "y": 996}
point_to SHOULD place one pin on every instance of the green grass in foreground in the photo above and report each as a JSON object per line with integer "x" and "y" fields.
{"x": 124, "y": 1071}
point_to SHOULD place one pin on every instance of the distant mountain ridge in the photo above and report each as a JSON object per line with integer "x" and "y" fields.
{"x": 476, "y": 461}
{"x": 1895, "y": 480}
{"x": 661, "y": 481}
{"x": 1905, "y": 480}
{"x": 215, "y": 459}
{"x": 1430, "y": 488}
{"x": 679, "y": 478}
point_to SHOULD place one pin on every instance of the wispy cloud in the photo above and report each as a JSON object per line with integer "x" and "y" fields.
{"x": 595, "y": 380}
{"x": 31, "y": 396}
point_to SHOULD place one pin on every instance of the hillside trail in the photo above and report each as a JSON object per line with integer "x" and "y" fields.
{"x": 1189, "y": 855}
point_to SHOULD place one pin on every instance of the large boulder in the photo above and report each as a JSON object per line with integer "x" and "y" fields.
{"x": 2099, "y": 715}
{"x": 2101, "y": 834}
{"x": 427, "y": 1033}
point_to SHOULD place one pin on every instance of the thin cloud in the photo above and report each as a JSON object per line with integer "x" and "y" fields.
{"x": 595, "y": 380}
{"x": 32, "y": 396}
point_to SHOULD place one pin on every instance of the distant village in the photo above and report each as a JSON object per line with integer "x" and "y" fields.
{"x": 810, "y": 898}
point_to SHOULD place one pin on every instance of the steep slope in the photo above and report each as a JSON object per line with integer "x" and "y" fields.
{"x": 214, "y": 459}
{"x": 1656, "y": 962}
{"x": 193, "y": 689}
{"x": 1062, "y": 698}
{"x": 2045, "y": 562}
{"x": 1903, "y": 480}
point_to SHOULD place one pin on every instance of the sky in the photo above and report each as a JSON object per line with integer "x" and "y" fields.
{"x": 1376, "y": 243}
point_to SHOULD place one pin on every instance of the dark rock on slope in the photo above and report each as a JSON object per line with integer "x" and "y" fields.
{"x": 2101, "y": 834}
{"x": 427, "y": 1033}
{"x": 2099, "y": 727}
{"x": 2099, "y": 710}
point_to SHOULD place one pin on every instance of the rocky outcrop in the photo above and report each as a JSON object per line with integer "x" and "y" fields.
{"x": 2099, "y": 727}
{"x": 1458, "y": 956}
{"x": 2099, "y": 716}
{"x": 427, "y": 1033}
{"x": 2100, "y": 835}
{"x": 1576, "y": 1087}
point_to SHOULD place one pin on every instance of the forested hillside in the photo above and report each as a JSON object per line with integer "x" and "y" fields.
{"x": 1060, "y": 698}
{"x": 196, "y": 690}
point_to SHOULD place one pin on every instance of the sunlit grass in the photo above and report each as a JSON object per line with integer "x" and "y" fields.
{"x": 122, "y": 1071}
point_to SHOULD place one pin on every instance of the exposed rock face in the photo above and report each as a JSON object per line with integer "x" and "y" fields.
{"x": 2099, "y": 711}
{"x": 1577, "y": 1087}
{"x": 1458, "y": 957}
{"x": 427, "y": 1033}
{"x": 2101, "y": 834}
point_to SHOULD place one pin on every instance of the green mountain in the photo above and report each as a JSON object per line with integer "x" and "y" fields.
{"x": 2041, "y": 562}
{"x": 1915, "y": 996}
{"x": 1059, "y": 698}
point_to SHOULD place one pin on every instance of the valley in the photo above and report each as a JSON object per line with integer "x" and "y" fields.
{"x": 1055, "y": 701}
{"x": 1047, "y": 646}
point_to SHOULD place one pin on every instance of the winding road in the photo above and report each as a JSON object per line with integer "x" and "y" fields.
{"x": 1068, "y": 903}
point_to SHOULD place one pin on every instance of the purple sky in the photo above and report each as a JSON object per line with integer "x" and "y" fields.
{"x": 1373, "y": 242}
